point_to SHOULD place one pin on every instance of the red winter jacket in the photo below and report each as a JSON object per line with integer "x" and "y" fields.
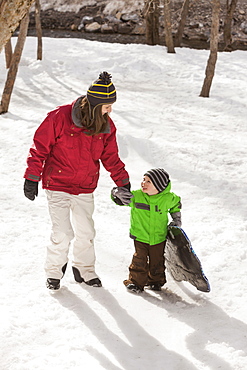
{"x": 67, "y": 159}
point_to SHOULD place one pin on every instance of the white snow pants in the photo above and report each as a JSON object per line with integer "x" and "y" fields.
{"x": 61, "y": 207}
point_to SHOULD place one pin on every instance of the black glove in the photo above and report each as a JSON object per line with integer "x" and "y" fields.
{"x": 121, "y": 195}
{"x": 30, "y": 189}
{"x": 127, "y": 186}
{"x": 176, "y": 217}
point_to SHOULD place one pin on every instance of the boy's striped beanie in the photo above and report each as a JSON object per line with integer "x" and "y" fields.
{"x": 102, "y": 91}
{"x": 159, "y": 178}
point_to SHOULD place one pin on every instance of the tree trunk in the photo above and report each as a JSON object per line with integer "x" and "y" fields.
{"x": 151, "y": 14}
{"x": 181, "y": 25}
{"x": 8, "y": 53}
{"x": 11, "y": 13}
{"x": 228, "y": 25}
{"x": 3, "y": 4}
{"x": 213, "y": 49}
{"x": 38, "y": 29}
{"x": 168, "y": 27}
{"x": 9, "y": 84}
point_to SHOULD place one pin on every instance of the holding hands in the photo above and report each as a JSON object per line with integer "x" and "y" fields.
{"x": 121, "y": 195}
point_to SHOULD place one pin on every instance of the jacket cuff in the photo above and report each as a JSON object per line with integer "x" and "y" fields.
{"x": 32, "y": 177}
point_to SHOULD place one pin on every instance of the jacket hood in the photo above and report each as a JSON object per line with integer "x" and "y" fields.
{"x": 167, "y": 189}
{"x": 77, "y": 115}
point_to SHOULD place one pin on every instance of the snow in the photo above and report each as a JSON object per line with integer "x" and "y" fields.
{"x": 111, "y": 6}
{"x": 162, "y": 122}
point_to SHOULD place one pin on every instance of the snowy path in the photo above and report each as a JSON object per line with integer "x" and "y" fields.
{"x": 201, "y": 143}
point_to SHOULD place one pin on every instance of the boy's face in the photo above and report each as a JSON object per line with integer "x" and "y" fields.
{"x": 148, "y": 187}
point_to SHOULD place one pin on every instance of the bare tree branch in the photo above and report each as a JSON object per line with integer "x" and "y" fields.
{"x": 213, "y": 49}
{"x": 11, "y": 13}
{"x": 13, "y": 69}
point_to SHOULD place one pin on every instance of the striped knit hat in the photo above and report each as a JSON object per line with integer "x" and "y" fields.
{"x": 102, "y": 91}
{"x": 159, "y": 178}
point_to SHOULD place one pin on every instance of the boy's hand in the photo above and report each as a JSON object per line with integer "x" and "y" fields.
{"x": 121, "y": 196}
{"x": 176, "y": 217}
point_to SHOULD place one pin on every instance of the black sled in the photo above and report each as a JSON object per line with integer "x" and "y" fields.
{"x": 182, "y": 262}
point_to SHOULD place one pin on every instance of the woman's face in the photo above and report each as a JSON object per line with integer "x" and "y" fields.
{"x": 106, "y": 108}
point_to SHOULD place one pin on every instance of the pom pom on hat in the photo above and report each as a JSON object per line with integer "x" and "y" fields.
{"x": 102, "y": 91}
{"x": 159, "y": 178}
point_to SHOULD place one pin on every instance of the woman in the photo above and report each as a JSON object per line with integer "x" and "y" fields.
{"x": 68, "y": 147}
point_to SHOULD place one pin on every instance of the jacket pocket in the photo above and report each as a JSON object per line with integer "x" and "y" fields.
{"x": 89, "y": 181}
{"x": 69, "y": 139}
{"x": 57, "y": 176}
{"x": 97, "y": 147}
{"x": 47, "y": 176}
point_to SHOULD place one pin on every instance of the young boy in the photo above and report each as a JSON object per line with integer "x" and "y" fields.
{"x": 150, "y": 206}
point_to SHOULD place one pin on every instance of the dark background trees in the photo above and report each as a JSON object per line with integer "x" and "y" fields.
{"x": 165, "y": 22}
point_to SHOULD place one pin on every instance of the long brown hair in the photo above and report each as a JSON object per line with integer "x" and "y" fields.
{"x": 93, "y": 120}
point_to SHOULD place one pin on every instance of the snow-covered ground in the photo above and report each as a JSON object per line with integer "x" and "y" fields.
{"x": 112, "y": 6}
{"x": 162, "y": 122}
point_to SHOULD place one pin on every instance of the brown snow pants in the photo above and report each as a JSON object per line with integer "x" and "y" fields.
{"x": 148, "y": 265}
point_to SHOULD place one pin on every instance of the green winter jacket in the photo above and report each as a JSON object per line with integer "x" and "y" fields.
{"x": 149, "y": 215}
